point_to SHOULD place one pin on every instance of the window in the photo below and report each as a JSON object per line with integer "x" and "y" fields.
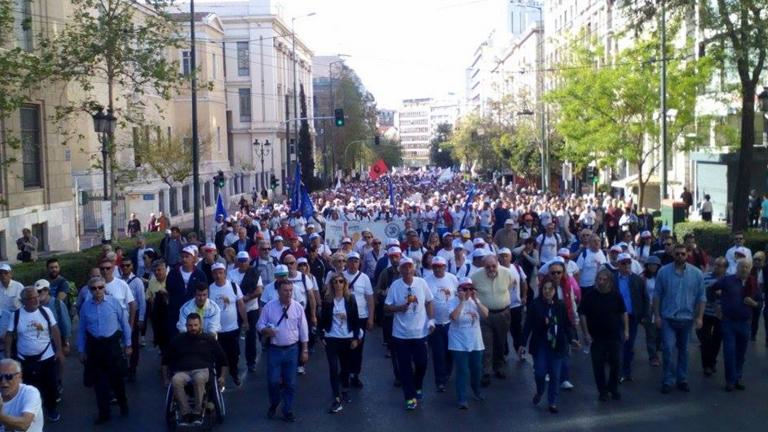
{"x": 23, "y": 24}
{"x": 245, "y": 104}
{"x": 31, "y": 146}
{"x": 207, "y": 193}
{"x": 243, "y": 59}
{"x": 186, "y": 63}
{"x": 173, "y": 201}
{"x": 185, "y": 198}
{"x": 40, "y": 230}
{"x": 137, "y": 147}
{"x": 161, "y": 200}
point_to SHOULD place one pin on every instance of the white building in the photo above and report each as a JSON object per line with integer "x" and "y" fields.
{"x": 443, "y": 111}
{"x": 415, "y": 130}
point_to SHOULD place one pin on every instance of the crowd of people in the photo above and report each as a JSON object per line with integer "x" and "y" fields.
{"x": 478, "y": 276}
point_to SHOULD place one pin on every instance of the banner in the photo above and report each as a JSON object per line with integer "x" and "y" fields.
{"x": 378, "y": 169}
{"x": 335, "y": 231}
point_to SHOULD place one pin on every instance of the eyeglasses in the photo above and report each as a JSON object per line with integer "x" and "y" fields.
{"x": 105, "y": 268}
{"x": 739, "y": 238}
{"x": 8, "y": 377}
{"x": 98, "y": 287}
{"x": 339, "y": 280}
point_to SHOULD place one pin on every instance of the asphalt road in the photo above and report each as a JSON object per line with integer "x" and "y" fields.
{"x": 379, "y": 406}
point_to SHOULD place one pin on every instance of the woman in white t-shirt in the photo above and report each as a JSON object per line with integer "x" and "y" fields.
{"x": 465, "y": 341}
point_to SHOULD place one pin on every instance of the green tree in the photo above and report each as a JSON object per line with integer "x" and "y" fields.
{"x": 125, "y": 45}
{"x": 389, "y": 150}
{"x": 167, "y": 157}
{"x": 350, "y": 141}
{"x": 440, "y": 149}
{"x": 608, "y": 108}
{"x": 305, "y": 154}
{"x": 738, "y": 31}
{"x": 520, "y": 148}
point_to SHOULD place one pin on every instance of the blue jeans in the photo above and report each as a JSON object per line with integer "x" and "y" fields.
{"x": 546, "y": 361}
{"x": 674, "y": 335}
{"x": 412, "y": 362}
{"x": 469, "y": 365}
{"x": 628, "y": 352}
{"x": 565, "y": 367}
{"x": 281, "y": 375}
{"x": 735, "y": 340}
{"x": 438, "y": 342}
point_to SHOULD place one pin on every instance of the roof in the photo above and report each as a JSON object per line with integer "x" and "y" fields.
{"x": 184, "y": 16}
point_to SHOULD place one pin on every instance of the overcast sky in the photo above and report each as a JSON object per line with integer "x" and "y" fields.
{"x": 400, "y": 48}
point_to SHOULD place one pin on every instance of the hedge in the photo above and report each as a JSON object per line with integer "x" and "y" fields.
{"x": 716, "y": 238}
{"x": 76, "y": 265}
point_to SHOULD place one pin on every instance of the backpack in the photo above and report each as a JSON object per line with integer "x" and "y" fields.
{"x": 14, "y": 348}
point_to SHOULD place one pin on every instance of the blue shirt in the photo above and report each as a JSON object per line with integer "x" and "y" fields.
{"x": 732, "y": 294}
{"x": 59, "y": 285}
{"x": 102, "y": 320}
{"x": 625, "y": 292}
{"x": 679, "y": 293}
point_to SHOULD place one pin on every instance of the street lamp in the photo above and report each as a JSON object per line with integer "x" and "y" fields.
{"x": 295, "y": 92}
{"x": 104, "y": 125}
{"x": 262, "y": 150}
{"x": 763, "y": 99}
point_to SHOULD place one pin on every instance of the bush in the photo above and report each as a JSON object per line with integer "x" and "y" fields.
{"x": 76, "y": 265}
{"x": 716, "y": 238}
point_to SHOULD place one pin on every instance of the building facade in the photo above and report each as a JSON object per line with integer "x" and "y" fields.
{"x": 415, "y": 130}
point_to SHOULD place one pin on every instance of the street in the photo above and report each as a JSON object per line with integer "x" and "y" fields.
{"x": 379, "y": 406}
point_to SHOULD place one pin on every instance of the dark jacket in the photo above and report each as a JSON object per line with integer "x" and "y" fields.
{"x": 353, "y": 319}
{"x": 639, "y": 295}
{"x": 187, "y": 352}
{"x": 178, "y": 294}
{"x": 536, "y": 327}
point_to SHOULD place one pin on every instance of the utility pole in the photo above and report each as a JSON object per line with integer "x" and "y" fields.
{"x": 663, "y": 97}
{"x": 295, "y": 94}
{"x": 195, "y": 143}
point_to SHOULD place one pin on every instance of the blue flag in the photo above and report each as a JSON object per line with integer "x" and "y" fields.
{"x": 467, "y": 204}
{"x": 221, "y": 209}
{"x": 391, "y": 193}
{"x": 300, "y": 199}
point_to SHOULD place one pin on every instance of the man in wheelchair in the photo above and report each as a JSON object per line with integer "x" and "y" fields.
{"x": 190, "y": 358}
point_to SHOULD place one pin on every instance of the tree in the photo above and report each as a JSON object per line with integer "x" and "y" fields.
{"x": 741, "y": 28}
{"x": 388, "y": 150}
{"x": 520, "y": 147}
{"x": 305, "y": 153}
{"x": 350, "y": 141}
{"x": 168, "y": 157}
{"x": 439, "y": 148}
{"x": 125, "y": 45}
{"x": 608, "y": 108}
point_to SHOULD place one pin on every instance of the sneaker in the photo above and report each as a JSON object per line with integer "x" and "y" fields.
{"x": 536, "y": 399}
{"x": 411, "y": 404}
{"x": 143, "y": 342}
{"x": 478, "y": 397}
{"x": 655, "y": 362}
{"x": 355, "y": 382}
{"x": 236, "y": 381}
{"x": 625, "y": 378}
{"x": 566, "y": 385}
{"x": 441, "y": 388}
{"x": 252, "y": 369}
{"x": 198, "y": 420}
{"x": 301, "y": 370}
{"x": 345, "y": 397}
{"x": 553, "y": 409}
{"x": 272, "y": 411}
{"x": 336, "y": 406}
{"x": 54, "y": 415}
{"x": 463, "y": 406}
{"x": 419, "y": 395}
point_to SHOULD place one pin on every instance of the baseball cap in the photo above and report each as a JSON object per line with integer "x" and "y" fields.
{"x": 346, "y": 240}
{"x": 278, "y": 238}
{"x": 311, "y": 226}
{"x": 457, "y": 244}
{"x": 302, "y": 260}
{"x": 353, "y": 255}
{"x": 209, "y": 246}
{"x": 189, "y": 250}
{"x": 281, "y": 270}
{"x": 509, "y": 222}
{"x": 564, "y": 252}
{"x": 624, "y": 257}
{"x": 465, "y": 281}
{"x": 218, "y": 266}
{"x": 447, "y": 233}
{"x": 480, "y": 253}
{"x": 438, "y": 260}
{"x": 243, "y": 256}
{"x": 394, "y": 250}
{"x": 314, "y": 236}
{"x": 42, "y": 284}
{"x": 5, "y": 267}
{"x": 741, "y": 250}
{"x": 616, "y": 248}
{"x": 478, "y": 241}
{"x": 504, "y": 251}
{"x": 465, "y": 233}
{"x": 653, "y": 260}
{"x": 405, "y": 261}
{"x": 392, "y": 242}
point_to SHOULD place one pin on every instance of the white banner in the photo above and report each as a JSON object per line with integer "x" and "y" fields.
{"x": 335, "y": 231}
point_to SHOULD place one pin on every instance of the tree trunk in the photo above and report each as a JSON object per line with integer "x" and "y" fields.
{"x": 743, "y": 186}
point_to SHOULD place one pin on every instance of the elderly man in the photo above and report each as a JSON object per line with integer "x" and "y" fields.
{"x": 443, "y": 286}
{"x": 34, "y": 339}
{"x": 507, "y": 236}
{"x": 635, "y": 296}
{"x": 21, "y": 408}
{"x": 208, "y": 311}
{"x": 189, "y": 358}
{"x": 493, "y": 287}
{"x": 10, "y": 297}
{"x": 283, "y": 325}
{"x": 103, "y": 326}
{"x": 210, "y": 257}
{"x": 679, "y": 300}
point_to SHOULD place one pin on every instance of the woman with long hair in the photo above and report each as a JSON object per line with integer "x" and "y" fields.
{"x": 340, "y": 332}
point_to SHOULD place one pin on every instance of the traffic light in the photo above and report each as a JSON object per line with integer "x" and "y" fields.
{"x": 376, "y": 140}
{"x": 592, "y": 174}
{"x": 338, "y": 115}
{"x": 273, "y": 182}
{"x": 219, "y": 180}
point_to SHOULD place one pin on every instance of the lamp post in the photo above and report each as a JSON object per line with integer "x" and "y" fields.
{"x": 763, "y": 99}
{"x": 195, "y": 139}
{"x": 104, "y": 125}
{"x": 295, "y": 92}
{"x": 262, "y": 150}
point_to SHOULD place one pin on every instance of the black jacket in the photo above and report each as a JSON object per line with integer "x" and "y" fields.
{"x": 536, "y": 326}
{"x": 187, "y": 352}
{"x": 353, "y": 319}
{"x": 638, "y": 294}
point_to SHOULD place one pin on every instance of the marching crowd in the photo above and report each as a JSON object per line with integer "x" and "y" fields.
{"x": 476, "y": 278}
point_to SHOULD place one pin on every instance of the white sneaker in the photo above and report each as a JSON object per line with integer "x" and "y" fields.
{"x": 546, "y": 378}
{"x": 300, "y": 370}
{"x": 566, "y": 385}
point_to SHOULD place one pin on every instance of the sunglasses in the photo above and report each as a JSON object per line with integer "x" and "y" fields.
{"x": 8, "y": 377}
{"x": 105, "y": 268}
{"x": 339, "y": 280}
{"x": 98, "y": 287}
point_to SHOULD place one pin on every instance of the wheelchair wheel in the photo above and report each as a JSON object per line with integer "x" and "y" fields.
{"x": 170, "y": 409}
{"x": 217, "y": 398}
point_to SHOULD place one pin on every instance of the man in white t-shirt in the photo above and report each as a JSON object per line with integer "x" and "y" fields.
{"x": 360, "y": 286}
{"x": 22, "y": 408}
{"x": 446, "y": 252}
{"x": 35, "y": 339}
{"x": 590, "y": 261}
{"x": 10, "y": 296}
{"x": 227, "y": 295}
{"x": 443, "y": 286}
{"x": 548, "y": 243}
{"x": 410, "y": 300}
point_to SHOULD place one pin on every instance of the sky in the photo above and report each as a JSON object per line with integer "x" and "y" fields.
{"x": 400, "y": 48}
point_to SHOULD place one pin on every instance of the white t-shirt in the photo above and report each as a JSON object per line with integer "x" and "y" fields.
{"x": 10, "y": 300}
{"x": 27, "y": 400}
{"x": 589, "y": 263}
{"x": 339, "y": 328}
{"x": 485, "y": 218}
{"x": 237, "y": 277}
{"x": 448, "y": 255}
{"x": 413, "y": 323}
{"x": 514, "y": 288}
{"x": 464, "y": 332}
{"x": 226, "y": 299}
{"x": 548, "y": 246}
{"x": 185, "y": 276}
{"x": 360, "y": 289}
{"x": 302, "y": 285}
{"x": 34, "y": 335}
{"x": 120, "y": 291}
{"x": 443, "y": 290}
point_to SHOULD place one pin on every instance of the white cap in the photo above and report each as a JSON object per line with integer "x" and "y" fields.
{"x": 353, "y": 255}
{"x": 645, "y": 234}
{"x": 478, "y": 241}
{"x": 739, "y": 250}
{"x": 314, "y": 236}
{"x": 557, "y": 259}
{"x": 281, "y": 270}
{"x": 624, "y": 257}
{"x": 616, "y": 248}
{"x": 243, "y": 255}
{"x": 346, "y": 240}
{"x": 438, "y": 260}
{"x": 509, "y": 221}
{"x": 504, "y": 251}
{"x": 42, "y": 284}
{"x": 564, "y": 252}
{"x": 5, "y": 267}
{"x": 278, "y": 238}
{"x": 190, "y": 250}
{"x": 209, "y": 246}
{"x": 392, "y": 242}
{"x": 623, "y": 245}
{"x": 466, "y": 233}
{"x": 394, "y": 250}
{"x": 302, "y": 260}
{"x": 465, "y": 281}
{"x": 404, "y": 261}
{"x": 218, "y": 266}
{"x": 310, "y": 226}
{"x": 458, "y": 244}
{"x": 447, "y": 233}
{"x": 480, "y": 253}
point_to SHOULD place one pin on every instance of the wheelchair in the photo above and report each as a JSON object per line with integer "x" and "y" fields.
{"x": 214, "y": 409}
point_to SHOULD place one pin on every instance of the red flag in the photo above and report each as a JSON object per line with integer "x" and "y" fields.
{"x": 378, "y": 169}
